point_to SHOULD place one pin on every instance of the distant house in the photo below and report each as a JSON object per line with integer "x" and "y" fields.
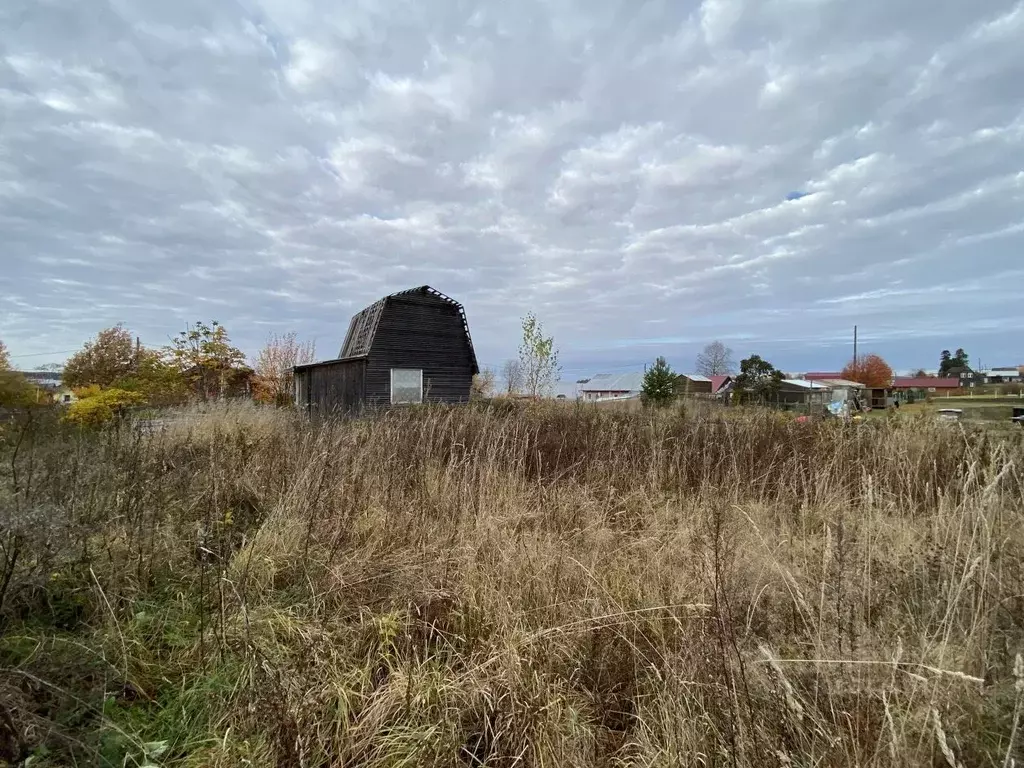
{"x": 925, "y": 382}
{"x": 50, "y": 382}
{"x": 911, "y": 388}
{"x": 409, "y": 347}
{"x": 603, "y": 386}
{"x": 966, "y": 376}
{"x": 720, "y": 385}
{"x": 819, "y": 376}
{"x": 695, "y": 384}
{"x": 1002, "y": 375}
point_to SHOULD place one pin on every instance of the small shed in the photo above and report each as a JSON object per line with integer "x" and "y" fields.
{"x": 794, "y": 392}
{"x": 406, "y": 348}
{"x": 843, "y": 390}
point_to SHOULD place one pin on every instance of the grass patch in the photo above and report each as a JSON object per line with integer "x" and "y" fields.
{"x": 526, "y": 585}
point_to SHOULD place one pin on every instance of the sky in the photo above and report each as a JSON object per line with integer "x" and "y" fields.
{"x": 644, "y": 176}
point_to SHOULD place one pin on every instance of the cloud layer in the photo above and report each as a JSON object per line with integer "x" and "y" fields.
{"x": 645, "y": 177}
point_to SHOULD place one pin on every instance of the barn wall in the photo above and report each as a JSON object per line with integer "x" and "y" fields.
{"x": 697, "y": 387}
{"x": 333, "y": 387}
{"x": 426, "y": 332}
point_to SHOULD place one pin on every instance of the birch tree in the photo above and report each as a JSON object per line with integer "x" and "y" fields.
{"x": 538, "y": 358}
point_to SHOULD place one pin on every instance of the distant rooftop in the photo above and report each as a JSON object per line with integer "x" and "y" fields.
{"x": 818, "y": 375}
{"x": 805, "y": 383}
{"x": 44, "y": 379}
{"x": 614, "y": 382}
{"x": 717, "y": 382}
{"x": 924, "y": 382}
{"x": 840, "y": 383}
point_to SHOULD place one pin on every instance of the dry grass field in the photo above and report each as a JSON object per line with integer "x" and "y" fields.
{"x": 529, "y": 585}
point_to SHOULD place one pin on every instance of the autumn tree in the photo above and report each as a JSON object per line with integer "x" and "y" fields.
{"x": 483, "y": 385}
{"x": 512, "y": 376}
{"x": 715, "y": 360}
{"x": 274, "y": 366}
{"x": 15, "y": 390}
{"x": 206, "y": 358}
{"x": 538, "y": 358}
{"x": 116, "y": 360}
{"x": 112, "y": 355}
{"x": 869, "y": 370}
{"x": 155, "y": 378}
{"x": 659, "y": 385}
{"x": 758, "y": 379}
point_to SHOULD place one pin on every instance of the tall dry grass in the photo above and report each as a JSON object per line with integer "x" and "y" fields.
{"x": 524, "y": 586}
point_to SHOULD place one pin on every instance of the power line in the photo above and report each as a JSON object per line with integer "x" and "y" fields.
{"x": 58, "y": 352}
{"x": 44, "y": 354}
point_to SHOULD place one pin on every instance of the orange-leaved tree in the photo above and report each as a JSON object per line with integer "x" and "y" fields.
{"x": 870, "y": 370}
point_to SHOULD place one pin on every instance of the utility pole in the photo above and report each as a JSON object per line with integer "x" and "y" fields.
{"x": 855, "y": 347}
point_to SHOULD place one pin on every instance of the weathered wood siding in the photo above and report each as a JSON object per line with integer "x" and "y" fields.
{"x": 335, "y": 387}
{"x": 421, "y": 331}
{"x": 691, "y": 387}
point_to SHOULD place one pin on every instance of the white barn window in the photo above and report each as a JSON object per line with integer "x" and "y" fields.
{"x": 406, "y": 386}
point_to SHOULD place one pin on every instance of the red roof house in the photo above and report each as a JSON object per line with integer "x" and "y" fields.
{"x": 717, "y": 382}
{"x": 819, "y": 375}
{"x": 924, "y": 382}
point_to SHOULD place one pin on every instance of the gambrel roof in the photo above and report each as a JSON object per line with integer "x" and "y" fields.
{"x": 363, "y": 326}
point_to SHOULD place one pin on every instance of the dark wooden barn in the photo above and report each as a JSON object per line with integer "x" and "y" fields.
{"x": 410, "y": 347}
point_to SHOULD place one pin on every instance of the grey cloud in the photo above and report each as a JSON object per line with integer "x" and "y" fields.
{"x": 621, "y": 169}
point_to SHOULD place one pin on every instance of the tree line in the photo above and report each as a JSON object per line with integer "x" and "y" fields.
{"x": 114, "y": 370}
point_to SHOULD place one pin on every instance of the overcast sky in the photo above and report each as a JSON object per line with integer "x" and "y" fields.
{"x": 645, "y": 176}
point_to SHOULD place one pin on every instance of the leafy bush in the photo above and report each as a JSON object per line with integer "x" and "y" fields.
{"x": 15, "y": 390}
{"x": 97, "y": 406}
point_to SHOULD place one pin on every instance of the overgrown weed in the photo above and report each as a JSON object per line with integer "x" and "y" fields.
{"x": 526, "y": 585}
